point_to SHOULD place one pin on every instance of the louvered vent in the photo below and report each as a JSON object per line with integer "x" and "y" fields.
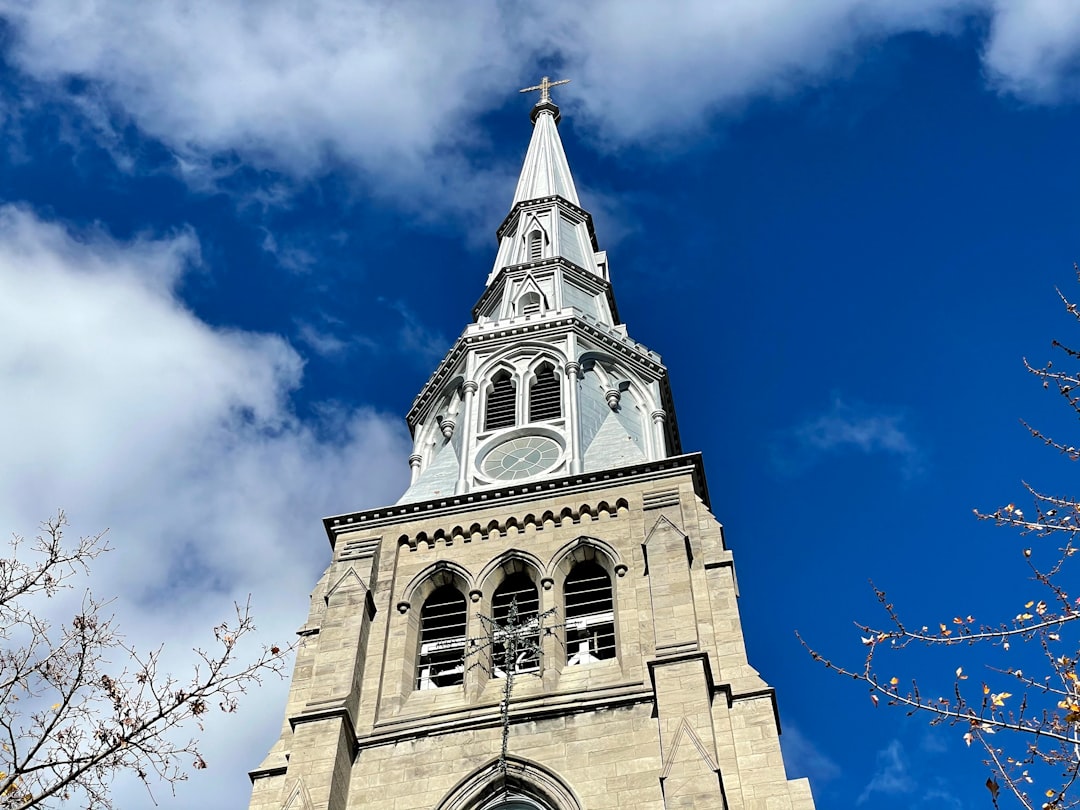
{"x": 529, "y": 303}
{"x": 590, "y": 615}
{"x": 442, "y": 639}
{"x": 545, "y": 400}
{"x": 500, "y": 403}
{"x": 536, "y": 246}
{"x": 516, "y": 589}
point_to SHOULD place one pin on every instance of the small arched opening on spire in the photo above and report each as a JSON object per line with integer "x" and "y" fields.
{"x": 501, "y": 402}
{"x": 535, "y": 245}
{"x": 545, "y": 394}
{"x": 531, "y": 303}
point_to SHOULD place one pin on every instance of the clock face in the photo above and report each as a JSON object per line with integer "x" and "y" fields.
{"x": 522, "y": 457}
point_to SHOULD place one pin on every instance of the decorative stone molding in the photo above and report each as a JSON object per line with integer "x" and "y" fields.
{"x": 620, "y": 570}
{"x": 475, "y": 595}
{"x": 470, "y": 386}
{"x": 403, "y": 607}
{"x": 548, "y": 583}
{"x": 447, "y": 427}
{"x": 415, "y": 460}
{"x": 567, "y": 516}
{"x": 519, "y": 775}
{"x": 613, "y": 395}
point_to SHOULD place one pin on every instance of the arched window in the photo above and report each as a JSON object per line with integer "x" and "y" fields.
{"x": 501, "y": 402}
{"x": 590, "y": 614}
{"x": 530, "y": 303}
{"x": 536, "y": 246}
{"x": 442, "y": 639}
{"x": 545, "y": 395}
{"x": 517, "y": 592}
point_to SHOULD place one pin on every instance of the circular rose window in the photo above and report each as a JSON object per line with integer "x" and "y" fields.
{"x": 521, "y": 457}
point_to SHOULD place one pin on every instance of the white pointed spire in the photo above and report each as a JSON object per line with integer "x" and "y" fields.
{"x": 545, "y": 171}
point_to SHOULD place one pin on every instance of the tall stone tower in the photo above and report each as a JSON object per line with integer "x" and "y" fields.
{"x": 547, "y": 618}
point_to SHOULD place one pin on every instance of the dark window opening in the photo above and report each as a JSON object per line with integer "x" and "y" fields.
{"x": 590, "y": 614}
{"x": 545, "y": 396}
{"x": 516, "y": 589}
{"x": 442, "y": 639}
{"x": 529, "y": 304}
{"x": 501, "y": 403}
{"x": 536, "y": 246}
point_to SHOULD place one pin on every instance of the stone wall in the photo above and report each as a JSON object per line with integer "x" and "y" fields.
{"x": 678, "y": 720}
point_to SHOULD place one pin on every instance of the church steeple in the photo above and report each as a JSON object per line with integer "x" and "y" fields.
{"x": 545, "y": 171}
{"x": 548, "y": 617}
{"x": 546, "y": 381}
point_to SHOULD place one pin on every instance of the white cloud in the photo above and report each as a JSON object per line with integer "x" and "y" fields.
{"x": 891, "y": 775}
{"x": 846, "y": 428}
{"x": 1034, "y": 49}
{"x": 124, "y": 408}
{"x": 393, "y": 88}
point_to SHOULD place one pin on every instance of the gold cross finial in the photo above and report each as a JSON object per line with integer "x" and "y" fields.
{"x": 545, "y": 89}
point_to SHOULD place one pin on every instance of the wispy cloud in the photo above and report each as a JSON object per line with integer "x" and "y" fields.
{"x": 414, "y": 338}
{"x": 803, "y": 758}
{"x": 847, "y": 428}
{"x": 323, "y": 343}
{"x": 323, "y": 334}
{"x": 294, "y": 258}
{"x": 940, "y": 799}
{"x": 891, "y": 775}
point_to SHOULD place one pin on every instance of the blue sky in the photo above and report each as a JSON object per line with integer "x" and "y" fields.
{"x": 235, "y": 240}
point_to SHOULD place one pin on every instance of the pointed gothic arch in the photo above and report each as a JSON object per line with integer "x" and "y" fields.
{"x": 535, "y": 240}
{"x": 443, "y": 572}
{"x": 444, "y": 621}
{"x": 500, "y": 401}
{"x": 589, "y": 614}
{"x": 545, "y": 392}
{"x": 517, "y": 591}
{"x": 529, "y": 299}
{"x": 527, "y": 782}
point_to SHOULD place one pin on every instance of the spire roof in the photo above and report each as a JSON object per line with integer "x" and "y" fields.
{"x": 545, "y": 171}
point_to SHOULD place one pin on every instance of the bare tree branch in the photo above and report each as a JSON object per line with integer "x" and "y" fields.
{"x": 1031, "y": 738}
{"x": 70, "y": 719}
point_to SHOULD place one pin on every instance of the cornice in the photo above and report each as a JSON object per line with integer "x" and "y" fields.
{"x": 524, "y": 711}
{"x": 372, "y": 519}
{"x": 589, "y": 281}
{"x": 550, "y": 324}
{"x": 540, "y": 202}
